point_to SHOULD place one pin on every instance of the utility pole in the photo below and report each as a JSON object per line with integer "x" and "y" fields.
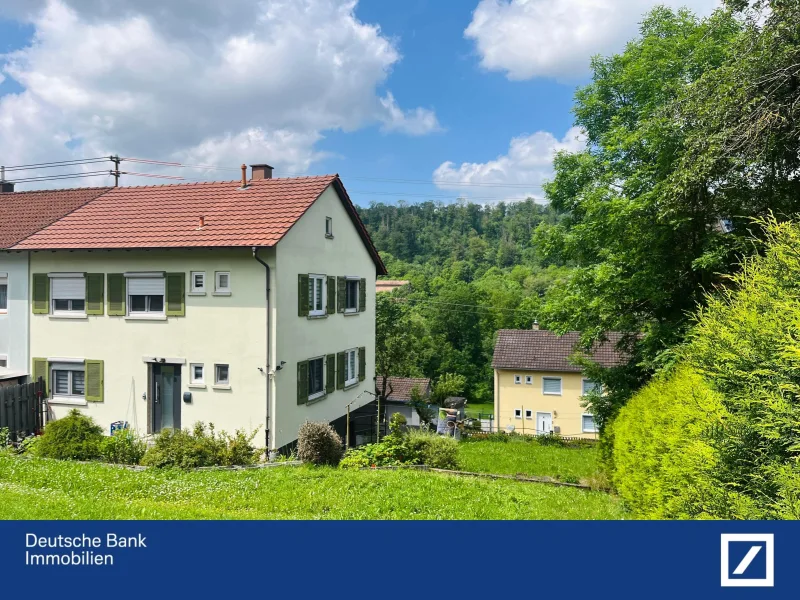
{"x": 116, "y": 160}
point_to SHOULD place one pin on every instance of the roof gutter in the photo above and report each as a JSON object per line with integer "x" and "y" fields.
{"x": 269, "y": 346}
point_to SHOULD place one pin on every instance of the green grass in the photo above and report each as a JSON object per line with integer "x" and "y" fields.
{"x": 521, "y": 456}
{"x": 472, "y": 410}
{"x": 48, "y": 489}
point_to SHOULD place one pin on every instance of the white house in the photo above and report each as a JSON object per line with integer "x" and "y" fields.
{"x": 245, "y": 304}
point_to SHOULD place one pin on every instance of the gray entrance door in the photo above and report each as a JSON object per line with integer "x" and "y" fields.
{"x": 165, "y": 394}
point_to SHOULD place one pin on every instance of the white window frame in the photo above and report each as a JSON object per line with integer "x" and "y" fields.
{"x": 528, "y": 414}
{"x": 218, "y": 289}
{"x": 583, "y": 385}
{"x": 583, "y": 430}
{"x": 517, "y": 379}
{"x": 323, "y": 282}
{"x": 322, "y": 392}
{"x": 202, "y": 381}
{"x": 69, "y": 312}
{"x": 4, "y": 281}
{"x": 197, "y": 289}
{"x": 560, "y": 386}
{"x": 528, "y": 379}
{"x": 145, "y": 314}
{"x": 354, "y": 379}
{"x": 329, "y": 227}
{"x": 517, "y": 413}
{"x": 69, "y": 398}
{"x": 348, "y": 280}
{"x": 217, "y": 381}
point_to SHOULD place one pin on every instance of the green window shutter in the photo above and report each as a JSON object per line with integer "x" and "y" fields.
{"x": 116, "y": 294}
{"x": 175, "y": 300}
{"x": 331, "y": 295}
{"x": 330, "y": 373}
{"x": 362, "y": 295}
{"x": 41, "y": 294}
{"x": 341, "y": 291}
{"x": 362, "y": 363}
{"x": 94, "y": 380}
{"x": 302, "y": 296}
{"x": 340, "y": 371}
{"x": 95, "y": 293}
{"x": 40, "y": 370}
{"x": 302, "y": 382}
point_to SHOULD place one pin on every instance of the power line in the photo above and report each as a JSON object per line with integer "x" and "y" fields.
{"x": 481, "y": 306}
{"x": 62, "y": 176}
{"x": 61, "y": 163}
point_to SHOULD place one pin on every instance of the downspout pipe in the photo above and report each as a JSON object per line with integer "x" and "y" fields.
{"x": 269, "y": 341}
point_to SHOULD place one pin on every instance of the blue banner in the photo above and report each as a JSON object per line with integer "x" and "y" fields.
{"x": 369, "y": 559}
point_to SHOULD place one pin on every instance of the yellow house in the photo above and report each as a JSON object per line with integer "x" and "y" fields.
{"x": 538, "y": 389}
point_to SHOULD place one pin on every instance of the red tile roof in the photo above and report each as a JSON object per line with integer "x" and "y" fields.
{"x": 540, "y": 350}
{"x": 401, "y": 387}
{"x": 24, "y": 213}
{"x": 168, "y": 216}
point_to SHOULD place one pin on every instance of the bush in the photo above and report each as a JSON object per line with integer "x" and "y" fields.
{"x": 438, "y": 452}
{"x": 412, "y": 447}
{"x": 5, "y": 437}
{"x": 74, "y": 437}
{"x": 319, "y": 444}
{"x": 201, "y": 447}
{"x": 123, "y": 448}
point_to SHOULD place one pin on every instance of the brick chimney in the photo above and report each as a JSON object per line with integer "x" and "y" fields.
{"x": 262, "y": 171}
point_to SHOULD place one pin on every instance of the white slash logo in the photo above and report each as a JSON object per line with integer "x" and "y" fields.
{"x": 756, "y": 568}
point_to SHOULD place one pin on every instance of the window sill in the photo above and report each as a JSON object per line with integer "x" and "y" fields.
{"x": 146, "y": 318}
{"x": 221, "y": 294}
{"x": 316, "y": 399}
{"x": 67, "y": 401}
{"x": 551, "y": 394}
{"x": 317, "y": 316}
{"x": 56, "y": 317}
{"x": 329, "y": 236}
{"x": 352, "y": 313}
{"x": 197, "y": 386}
{"x": 196, "y": 294}
{"x": 220, "y": 387}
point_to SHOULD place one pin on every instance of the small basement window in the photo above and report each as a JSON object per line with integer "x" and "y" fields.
{"x": 198, "y": 280}
{"x": 197, "y": 371}
{"x": 222, "y": 374}
{"x": 517, "y": 413}
{"x": 528, "y": 414}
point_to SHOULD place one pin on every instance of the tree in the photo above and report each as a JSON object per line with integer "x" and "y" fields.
{"x": 394, "y": 342}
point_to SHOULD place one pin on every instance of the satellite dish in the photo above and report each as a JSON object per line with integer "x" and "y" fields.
{"x": 510, "y": 428}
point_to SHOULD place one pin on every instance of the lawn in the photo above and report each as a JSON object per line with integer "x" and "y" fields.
{"x": 527, "y": 457}
{"x": 473, "y": 409}
{"x": 48, "y": 489}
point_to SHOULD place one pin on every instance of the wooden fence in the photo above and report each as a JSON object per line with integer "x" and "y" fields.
{"x": 22, "y": 408}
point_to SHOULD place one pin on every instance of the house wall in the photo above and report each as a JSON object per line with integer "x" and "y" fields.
{"x": 305, "y": 249}
{"x": 566, "y": 409}
{"x": 411, "y": 415}
{"x": 14, "y": 323}
{"x": 215, "y": 329}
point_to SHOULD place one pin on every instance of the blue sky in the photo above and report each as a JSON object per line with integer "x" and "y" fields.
{"x": 467, "y": 98}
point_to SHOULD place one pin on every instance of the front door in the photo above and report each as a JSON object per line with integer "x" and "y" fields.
{"x": 165, "y": 393}
{"x": 544, "y": 423}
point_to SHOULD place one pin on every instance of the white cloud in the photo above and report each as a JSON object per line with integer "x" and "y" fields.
{"x": 205, "y": 81}
{"x": 556, "y": 38}
{"x": 526, "y": 166}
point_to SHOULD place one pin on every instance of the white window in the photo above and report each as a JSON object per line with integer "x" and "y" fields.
{"x": 145, "y": 294}
{"x": 198, "y": 280}
{"x": 517, "y": 413}
{"x": 68, "y": 381}
{"x": 528, "y": 380}
{"x": 528, "y": 414}
{"x": 3, "y": 293}
{"x": 222, "y": 374}
{"x": 351, "y": 367}
{"x": 68, "y": 294}
{"x": 588, "y": 424}
{"x": 351, "y": 295}
{"x": 328, "y": 227}
{"x": 197, "y": 372}
{"x": 222, "y": 283}
{"x": 590, "y": 386}
{"x": 316, "y": 378}
{"x": 551, "y": 386}
{"x": 517, "y": 379}
{"x": 317, "y": 296}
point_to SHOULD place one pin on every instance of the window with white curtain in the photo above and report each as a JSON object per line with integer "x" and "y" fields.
{"x": 68, "y": 294}
{"x": 351, "y": 367}
{"x": 551, "y": 386}
{"x": 146, "y": 294}
{"x": 316, "y": 295}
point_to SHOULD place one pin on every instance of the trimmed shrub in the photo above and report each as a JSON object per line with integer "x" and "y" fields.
{"x": 124, "y": 447}
{"x": 74, "y": 437}
{"x": 427, "y": 448}
{"x": 319, "y": 444}
{"x": 201, "y": 447}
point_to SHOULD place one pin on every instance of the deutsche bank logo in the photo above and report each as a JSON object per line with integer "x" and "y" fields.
{"x": 748, "y": 560}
